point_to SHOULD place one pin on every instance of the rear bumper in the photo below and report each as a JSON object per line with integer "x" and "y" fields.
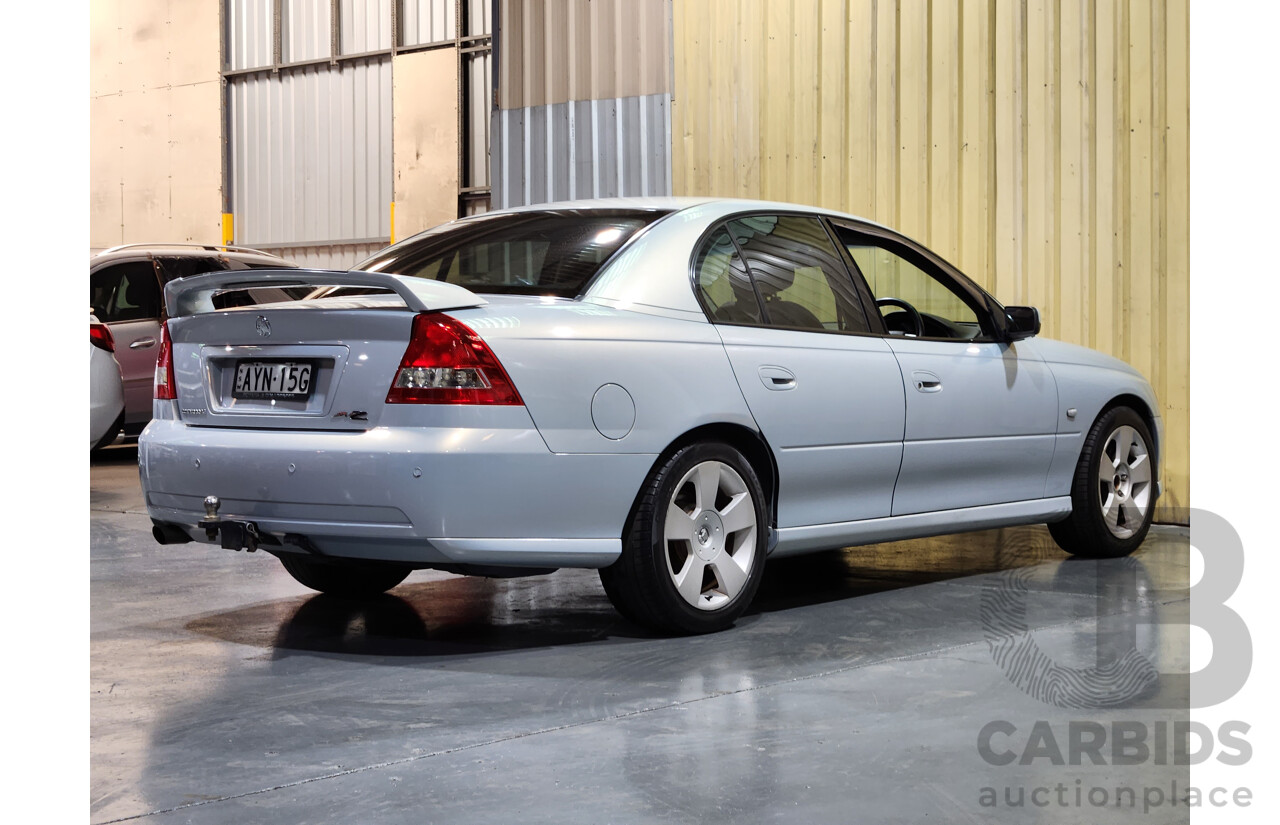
{"x": 422, "y": 495}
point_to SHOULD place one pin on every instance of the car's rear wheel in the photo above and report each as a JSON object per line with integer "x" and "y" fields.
{"x": 344, "y": 578}
{"x": 1113, "y": 493}
{"x": 693, "y": 554}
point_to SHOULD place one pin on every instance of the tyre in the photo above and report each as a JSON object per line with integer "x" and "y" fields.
{"x": 693, "y": 552}
{"x": 343, "y": 578}
{"x": 1113, "y": 493}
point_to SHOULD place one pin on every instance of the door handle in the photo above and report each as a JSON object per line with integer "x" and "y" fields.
{"x": 777, "y": 378}
{"x": 143, "y": 343}
{"x": 926, "y": 381}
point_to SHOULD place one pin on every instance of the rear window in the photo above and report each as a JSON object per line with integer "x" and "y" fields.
{"x": 536, "y": 253}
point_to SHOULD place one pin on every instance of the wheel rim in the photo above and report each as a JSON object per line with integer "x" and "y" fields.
{"x": 710, "y": 535}
{"x": 1124, "y": 482}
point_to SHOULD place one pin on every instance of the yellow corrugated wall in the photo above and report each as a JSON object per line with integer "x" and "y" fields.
{"x": 1040, "y": 146}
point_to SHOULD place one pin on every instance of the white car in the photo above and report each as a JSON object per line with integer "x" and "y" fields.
{"x": 106, "y": 391}
{"x": 671, "y": 391}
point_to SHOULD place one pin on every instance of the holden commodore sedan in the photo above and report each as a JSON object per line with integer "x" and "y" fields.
{"x": 672, "y": 392}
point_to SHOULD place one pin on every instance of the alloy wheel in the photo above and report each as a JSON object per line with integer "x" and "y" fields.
{"x": 710, "y": 535}
{"x": 1124, "y": 481}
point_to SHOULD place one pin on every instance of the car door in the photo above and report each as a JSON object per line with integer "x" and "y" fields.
{"x": 980, "y": 412}
{"x": 826, "y": 394}
{"x": 125, "y": 295}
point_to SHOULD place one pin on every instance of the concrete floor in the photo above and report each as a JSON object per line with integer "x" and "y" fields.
{"x": 855, "y": 690}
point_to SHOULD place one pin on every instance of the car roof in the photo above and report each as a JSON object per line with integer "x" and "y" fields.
{"x": 184, "y": 250}
{"x": 721, "y": 205}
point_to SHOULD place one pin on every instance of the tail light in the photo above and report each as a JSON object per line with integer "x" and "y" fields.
{"x": 100, "y": 337}
{"x": 166, "y": 386}
{"x": 447, "y": 363}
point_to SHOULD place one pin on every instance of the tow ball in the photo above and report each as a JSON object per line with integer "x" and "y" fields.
{"x": 234, "y": 534}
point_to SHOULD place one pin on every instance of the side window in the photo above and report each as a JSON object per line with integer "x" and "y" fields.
{"x": 798, "y": 274}
{"x": 724, "y": 284}
{"x": 125, "y": 292}
{"x": 896, "y": 280}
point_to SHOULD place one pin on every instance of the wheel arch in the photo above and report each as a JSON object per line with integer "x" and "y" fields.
{"x": 1143, "y": 409}
{"x": 749, "y": 442}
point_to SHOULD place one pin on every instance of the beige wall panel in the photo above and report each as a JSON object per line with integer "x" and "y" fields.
{"x": 804, "y": 122}
{"x": 195, "y": 157}
{"x": 425, "y": 137}
{"x": 747, "y": 104}
{"x": 913, "y": 119}
{"x": 194, "y": 41}
{"x": 1107, "y": 188}
{"x": 144, "y": 44}
{"x": 146, "y": 165}
{"x": 106, "y": 161}
{"x": 774, "y": 111}
{"x": 104, "y": 47}
{"x": 885, "y": 79}
{"x": 193, "y": 146}
{"x": 944, "y": 128}
{"x": 860, "y": 110}
{"x": 1071, "y": 294}
{"x": 155, "y": 120}
{"x": 976, "y": 156}
{"x": 1042, "y": 145}
{"x": 561, "y": 50}
{"x": 1176, "y": 335}
{"x": 832, "y": 91}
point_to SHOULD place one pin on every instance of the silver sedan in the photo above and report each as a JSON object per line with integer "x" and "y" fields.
{"x": 673, "y": 392}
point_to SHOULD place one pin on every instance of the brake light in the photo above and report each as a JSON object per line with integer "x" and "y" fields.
{"x": 447, "y": 363}
{"x": 166, "y": 386}
{"x": 100, "y": 337}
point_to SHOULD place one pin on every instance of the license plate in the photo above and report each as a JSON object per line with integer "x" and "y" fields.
{"x": 272, "y": 379}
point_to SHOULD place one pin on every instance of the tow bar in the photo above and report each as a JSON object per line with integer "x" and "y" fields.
{"x": 235, "y": 535}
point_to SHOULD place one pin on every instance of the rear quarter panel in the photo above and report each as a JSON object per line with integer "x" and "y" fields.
{"x": 560, "y": 354}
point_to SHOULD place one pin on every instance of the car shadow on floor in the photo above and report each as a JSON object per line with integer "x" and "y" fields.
{"x": 471, "y": 615}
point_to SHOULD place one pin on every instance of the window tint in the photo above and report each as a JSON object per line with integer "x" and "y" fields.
{"x": 944, "y": 313}
{"x": 798, "y": 273}
{"x": 724, "y": 283}
{"x": 125, "y": 292}
{"x": 553, "y": 253}
{"x": 171, "y": 268}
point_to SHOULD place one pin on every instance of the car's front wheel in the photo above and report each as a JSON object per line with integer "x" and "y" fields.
{"x": 343, "y": 578}
{"x": 693, "y": 554}
{"x": 1113, "y": 493}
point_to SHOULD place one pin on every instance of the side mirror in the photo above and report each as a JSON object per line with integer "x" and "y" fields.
{"x": 1023, "y": 322}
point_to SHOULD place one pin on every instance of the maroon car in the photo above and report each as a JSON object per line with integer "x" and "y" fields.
{"x": 125, "y": 293}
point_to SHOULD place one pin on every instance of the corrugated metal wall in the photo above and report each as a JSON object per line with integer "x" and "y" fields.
{"x": 427, "y": 21}
{"x": 311, "y": 154}
{"x": 1041, "y": 145}
{"x": 250, "y": 33}
{"x": 582, "y": 149}
{"x": 328, "y": 256}
{"x": 583, "y": 100}
{"x": 310, "y": 147}
{"x": 305, "y": 30}
{"x": 478, "y": 73}
{"x": 366, "y": 25}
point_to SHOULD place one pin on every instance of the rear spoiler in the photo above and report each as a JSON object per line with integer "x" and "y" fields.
{"x": 194, "y": 294}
